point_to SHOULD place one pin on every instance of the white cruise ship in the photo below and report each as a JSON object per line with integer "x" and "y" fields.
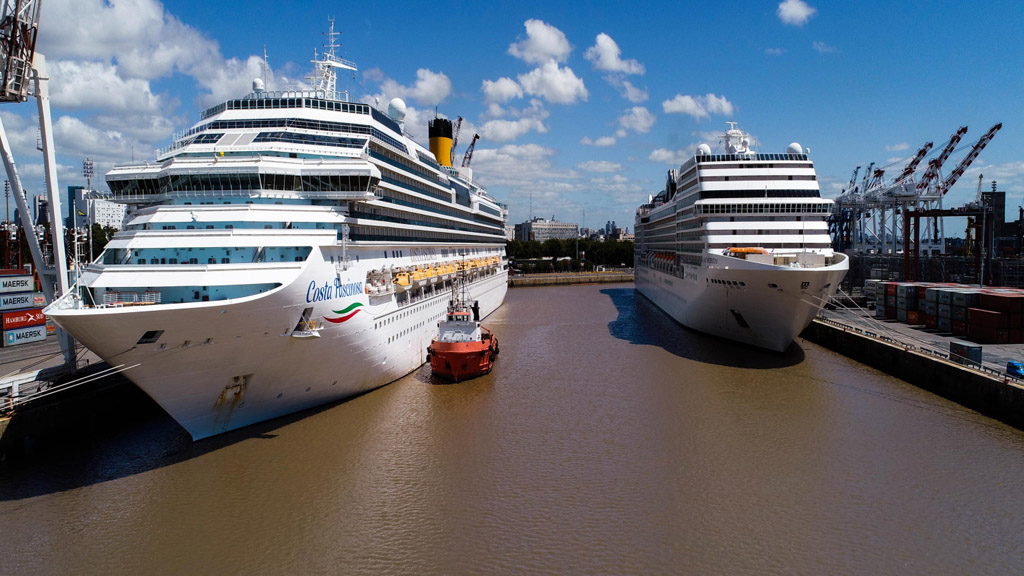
{"x": 737, "y": 244}
{"x": 289, "y": 250}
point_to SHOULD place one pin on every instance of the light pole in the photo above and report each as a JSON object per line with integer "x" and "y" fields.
{"x": 87, "y": 171}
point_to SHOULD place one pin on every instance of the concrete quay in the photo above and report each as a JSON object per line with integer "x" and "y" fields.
{"x": 615, "y": 276}
{"x": 922, "y": 358}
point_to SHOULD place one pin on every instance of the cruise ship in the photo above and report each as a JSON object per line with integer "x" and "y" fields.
{"x": 290, "y": 249}
{"x": 737, "y": 244}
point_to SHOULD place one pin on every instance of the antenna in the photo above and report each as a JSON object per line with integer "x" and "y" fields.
{"x": 266, "y": 69}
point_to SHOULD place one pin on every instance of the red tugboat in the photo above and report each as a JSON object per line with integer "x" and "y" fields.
{"x": 463, "y": 348}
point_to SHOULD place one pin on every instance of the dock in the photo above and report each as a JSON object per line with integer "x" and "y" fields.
{"x": 563, "y": 278}
{"x": 922, "y": 357}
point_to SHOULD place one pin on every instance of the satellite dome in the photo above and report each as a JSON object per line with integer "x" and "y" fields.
{"x": 704, "y": 150}
{"x": 257, "y": 85}
{"x": 396, "y": 109}
{"x": 794, "y": 148}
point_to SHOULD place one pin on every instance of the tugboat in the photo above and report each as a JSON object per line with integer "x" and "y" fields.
{"x": 463, "y": 349}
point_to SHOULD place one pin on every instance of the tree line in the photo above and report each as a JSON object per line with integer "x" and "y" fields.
{"x": 558, "y": 255}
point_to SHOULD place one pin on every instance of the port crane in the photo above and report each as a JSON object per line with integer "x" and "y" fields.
{"x": 872, "y": 217}
{"x": 22, "y": 66}
{"x": 469, "y": 151}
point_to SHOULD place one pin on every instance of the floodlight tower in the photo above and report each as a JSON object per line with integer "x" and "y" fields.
{"x": 19, "y": 25}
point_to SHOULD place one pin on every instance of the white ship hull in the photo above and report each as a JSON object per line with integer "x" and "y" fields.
{"x": 770, "y": 308}
{"x": 223, "y": 365}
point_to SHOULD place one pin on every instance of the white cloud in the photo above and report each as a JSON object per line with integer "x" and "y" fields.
{"x": 78, "y": 85}
{"x": 823, "y": 48}
{"x": 554, "y": 83}
{"x": 774, "y": 51}
{"x": 698, "y": 106}
{"x": 599, "y": 166}
{"x": 795, "y": 12}
{"x": 897, "y": 147}
{"x": 543, "y": 43}
{"x": 672, "y": 157}
{"x": 501, "y": 90}
{"x": 638, "y": 119}
{"x": 430, "y": 88}
{"x": 506, "y": 130}
{"x": 602, "y": 142}
{"x": 628, "y": 90}
{"x": 604, "y": 54}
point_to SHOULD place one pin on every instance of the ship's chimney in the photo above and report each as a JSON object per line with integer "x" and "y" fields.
{"x": 440, "y": 132}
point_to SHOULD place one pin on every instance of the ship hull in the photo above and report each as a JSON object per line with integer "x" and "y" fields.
{"x": 458, "y": 361}
{"x": 219, "y": 366}
{"x": 761, "y": 305}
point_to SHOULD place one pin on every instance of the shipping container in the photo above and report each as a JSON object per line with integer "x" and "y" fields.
{"x": 958, "y": 313}
{"x": 931, "y": 308}
{"x": 965, "y": 353}
{"x": 966, "y": 298}
{"x": 913, "y": 317}
{"x": 17, "y": 301}
{"x": 958, "y": 327}
{"x": 22, "y": 318}
{"x": 931, "y": 321}
{"x": 945, "y": 311}
{"x": 901, "y": 314}
{"x": 987, "y": 318}
{"x": 24, "y": 335}
{"x": 943, "y": 324}
{"x": 9, "y": 284}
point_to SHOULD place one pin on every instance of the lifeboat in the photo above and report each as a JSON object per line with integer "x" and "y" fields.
{"x": 463, "y": 348}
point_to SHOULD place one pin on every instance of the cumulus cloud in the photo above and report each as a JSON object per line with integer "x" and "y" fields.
{"x": 795, "y": 12}
{"x": 637, "y": 119}
{"x": 506, "y": 130}
{"x": 599, "y": 166}
{"x": 823, "y": 48}
{"x": 627, "y": 89}
{"x": 554, "y": 83}
{"x": 897, "y": 147}
{"x": 543, "y": 43}
{"x": 501, "y": 90}
{"x": 672, "y": 157}
{"x": 605, "y": 55}
{"x": 602, "y": 142}
{"x": 78, "y": 85}
{"x": 430, "y": 88}
{"x": 698, "y": 106}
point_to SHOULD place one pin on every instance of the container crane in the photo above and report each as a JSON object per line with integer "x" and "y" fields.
{"x": 908, "y": 171}
{"x": 19, "y": 62}
{"x": 957, "y": 172}
{"x": 934, "y": 164}
{"x": 469, "y": 152}
{"x": 455, "y": 140}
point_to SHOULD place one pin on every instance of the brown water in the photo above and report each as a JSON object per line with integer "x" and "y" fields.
{"x": 608, "y": 440}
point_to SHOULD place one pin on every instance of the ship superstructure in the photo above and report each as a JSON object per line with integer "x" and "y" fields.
{"x": 737, "y": 244}
{"x": 290, "y": 249}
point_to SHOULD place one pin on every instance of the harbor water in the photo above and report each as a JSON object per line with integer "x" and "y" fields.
{"x": 607, "y": 440}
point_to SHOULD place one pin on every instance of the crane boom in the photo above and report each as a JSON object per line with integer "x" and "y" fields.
{"x": 959, "y": 170}
{"x": 469, "y": 152}
{"x": 935, "y": 163}
{"x": 455, "y": 140}
{"x": 853, "y": 180}
{"x": 912, "y": 166}
{"x": 19, "y": 24}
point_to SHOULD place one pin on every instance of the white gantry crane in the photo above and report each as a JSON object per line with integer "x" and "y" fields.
{"x": 19, "y": 25}
{"x": 870, "y": 218}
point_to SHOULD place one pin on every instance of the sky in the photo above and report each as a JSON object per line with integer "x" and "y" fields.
{"x": 581, "y": 107}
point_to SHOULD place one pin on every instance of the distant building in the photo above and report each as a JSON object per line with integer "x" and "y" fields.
{"x": 540, "y": 229}
{"x": 510, "y": 232}
{"x": 88, "y": 207}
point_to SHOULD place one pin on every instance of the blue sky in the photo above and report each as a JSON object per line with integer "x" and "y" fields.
{"x": 581, "y": 106}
